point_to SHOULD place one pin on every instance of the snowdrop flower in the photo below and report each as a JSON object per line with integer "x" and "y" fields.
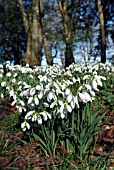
{"x": 38, "y": 87}
{"x": 63, "y": 86}
{"x": 76, "y": 101}
{"x": 64, "y": 108}
{"x": 8, "y": 74}
{"x": 22, "y": 103}
{"x": 51, "y": 96}
{"x": 1, "y": 75}
{"x": 29, "y": 114}
{"x": 1, "y": 66}
{"x": 46, "y": 104}
{"x": 2, "y": 96}
{"x": 13, "y": 103}
{"x": 25, "y": 126}
{"x": 15, "y": 75}
{"x": 39, "y": 120}
{"x": 3, "y": 84}
{"x": 94, "y": 85}
{"x": 11, "y": 93}
{"x": 88, "y": 86}
{"x": 53, "y": 104}
{"x": 67, "y": 91}
{"x": 69, "y": 98}
{"x": 36, "y": 100}
{"x": 14, "y": 80}
{"x": 32, "y": 92}
{"x": 84, "y": 97}
{"x": 92, "y": 93}
{"x": 40, "y": 94}
{"x": 20, "y": 108}
{"x": 24, "y": 93}
{"x": 34, "y": 118}
{"x": 45, "y": 115}
{"x": 30, "y": 99}
{"x": 26, "y": 86}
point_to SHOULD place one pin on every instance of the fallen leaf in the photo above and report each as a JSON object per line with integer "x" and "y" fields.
{"x": 4, "y": 161}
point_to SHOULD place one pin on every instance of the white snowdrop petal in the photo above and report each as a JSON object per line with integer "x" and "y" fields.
{"x": 69, "y": 108}
{"x": 30, "y": 100}
{"x": 60, "y": 102}
{"x": 69, "y": 98}
{"x": 40, "y": 94}
{"x": 67, "y": 91}
{"x": 62, "y": 116}
{"x": 94, "y": 85}
{"x": 46, "y": 104}
{"x": 39, "y": 120}
{"x": 32, "y": 91}
{"x": 28, "y": 126}
{"x": 38, "y": 87}
{"x": 36, "y": 100}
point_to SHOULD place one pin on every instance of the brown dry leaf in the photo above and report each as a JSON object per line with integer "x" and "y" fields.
{"x": 111, "y": 132}
{"x": 98, "y": 150}
{"x": 111, "y": 86}
{"x": 37, "y": 168}
{"x": 26, "y": 150}
{"x": 62, "y": 150}
{"x": 2, "y": 132}
{"x": 111, "y": 166}
{"x": 45, "y": 161}
{"x": 20, "y": 133}
{"x": 4, "y": 161}
{"x": 20, "y": 163}
{"x": 108, "y": 140}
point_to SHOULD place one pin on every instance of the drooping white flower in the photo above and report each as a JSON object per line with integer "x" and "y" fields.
{"x": 38, "y": 87}
{"x": 36, "y": 100}
{"x": 39, "y": 120}
{"x": 45, "y": 115}
{"x": 67, "y": 91}
{"x": 3, "y": 84}
{"x": 2, "y": 96}
{"x": 51, "y": 96}
{"x": 92, "y": 93}
{"x": 25, "y": 125}
{"x": 76, "y": 101}
{"x": 46, "y": 104}
{"x": 94, "y": 85}
{"x": 8, "y": 74}
{"x": 29, "y": 114}
{"x": 40, "y": 94}
{"x": 20, "y": 108}
{"x": 1, "y": 75}
{"x": 11, "y": 93}
{"x": 53, "y": 104}
{"x": 32, "y": 92}
{"x": 84, "y": 97}
{"x": 22, "y": 103}
{"x": 69, "y": 98}
{"x": 30, "y": 99}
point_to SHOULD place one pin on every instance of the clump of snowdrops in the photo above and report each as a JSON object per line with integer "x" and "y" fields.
{"x": 55, "y": 104}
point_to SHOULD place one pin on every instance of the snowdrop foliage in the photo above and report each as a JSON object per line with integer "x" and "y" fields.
{"x": 42, "y": 93}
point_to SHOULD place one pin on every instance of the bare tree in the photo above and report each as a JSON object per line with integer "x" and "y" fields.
{"x": 102, "y": 31}
{"x": 67, "y": 32}
{"x": 32, "y": 21}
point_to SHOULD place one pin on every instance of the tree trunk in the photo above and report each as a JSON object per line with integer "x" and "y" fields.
{"x": 48, "y": 51}
{"x": 33, "y": 28}
{"x": 67, "y": 31}
{"x": 102, "y": 31}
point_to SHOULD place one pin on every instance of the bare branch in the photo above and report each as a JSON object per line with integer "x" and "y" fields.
{"x": 24, "y": 15}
